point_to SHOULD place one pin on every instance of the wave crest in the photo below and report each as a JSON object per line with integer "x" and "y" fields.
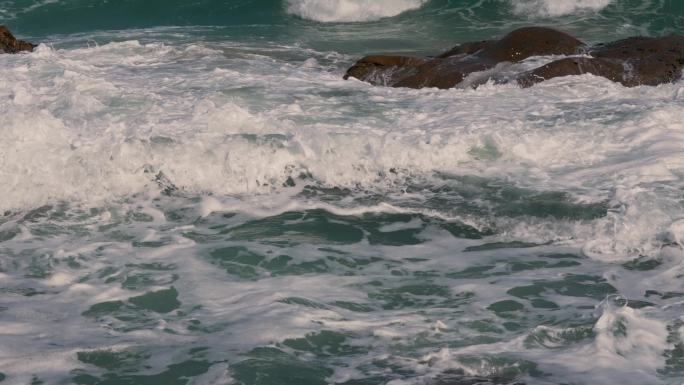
{"x": 557, "y": 7}
{"x": 328, "y": 11}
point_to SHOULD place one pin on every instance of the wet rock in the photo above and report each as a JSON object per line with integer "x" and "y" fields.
{"x": 9, "y": 44}
{"x": 631, "y": 62}
{"x": 451, "y": 68}
{"x": 466, "y": 49}
{"x": 440, "y": 73}
{"x": 530, "y": 41}
{"x": 646, "y": 60}
{"x": 384, "y": 70}
{"x": 572, "y": 66}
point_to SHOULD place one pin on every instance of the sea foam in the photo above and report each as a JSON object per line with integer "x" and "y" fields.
{"x": 350, "y": 10}
{"x": 554, "y": 8}
{"x": 193, "y": 138}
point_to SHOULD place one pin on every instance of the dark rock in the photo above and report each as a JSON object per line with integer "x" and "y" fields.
{"x": 384, "y": 70}
{"x": 9, "y": 44}
{"x": 572, "y": 66}
{"x": 631, "y": 62}
{"x": 466, "y": 49}
{"x": 519, "y": 45}
{"x": 531, "y": 41}
{"x": 445, "y": 73}
{"x": 646, "y": 60}
{"x": 450, "y": 68}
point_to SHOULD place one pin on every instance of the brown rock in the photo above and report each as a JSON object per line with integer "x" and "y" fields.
{"x": 572, "y": 66}
{"x": 646, "y": 60}
{"x": 466, "y": 49}
{"x": 384, "y": 70}
{"x": 451, "y": 68}
{"x": 531, "y": 41}
{"x": 631, "y": 62}
{"x": 443, "y": 73}
{"x": 519, "y": 45}
{"x": 640, "y": 48}
{"x": 9, "y": 44}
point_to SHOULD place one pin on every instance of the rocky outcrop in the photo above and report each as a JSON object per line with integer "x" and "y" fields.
{"x": 631, "y": 62}
{"x": 572, "y": 66}
{"x": 9, "y": 44}
{"x": 385, "y": 70}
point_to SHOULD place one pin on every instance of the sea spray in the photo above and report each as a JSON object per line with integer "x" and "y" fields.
{"x": 552, "y": 8}
{"x": 350, "y": 10}
{"x": 198, "y": 197}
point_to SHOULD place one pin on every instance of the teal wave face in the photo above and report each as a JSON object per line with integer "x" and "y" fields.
{"x": 67, "y": 16}
{"x": 435, "y": 22}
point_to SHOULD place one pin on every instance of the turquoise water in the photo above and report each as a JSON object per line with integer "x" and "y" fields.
{"x": 434, "y": 25}
{"x": 191, "y": 194}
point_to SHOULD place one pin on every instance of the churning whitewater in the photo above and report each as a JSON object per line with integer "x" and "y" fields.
{"x": 192, "y": 194}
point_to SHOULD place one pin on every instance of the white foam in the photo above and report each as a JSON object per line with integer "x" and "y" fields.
{"x": 350, "y": 10}
{"x": 557, "y": 7}
{"x": 628, "y": 343}
{"x": 104, "y": 131}
{"x": 640, "y": 344}
{"x": 228, "y": 128}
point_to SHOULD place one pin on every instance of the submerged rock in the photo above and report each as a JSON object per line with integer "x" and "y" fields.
{"x": 631, "y": 62}
{"x": 9, "y": 44}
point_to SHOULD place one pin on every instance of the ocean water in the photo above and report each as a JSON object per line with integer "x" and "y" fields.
{"x": 192, "y": 195}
